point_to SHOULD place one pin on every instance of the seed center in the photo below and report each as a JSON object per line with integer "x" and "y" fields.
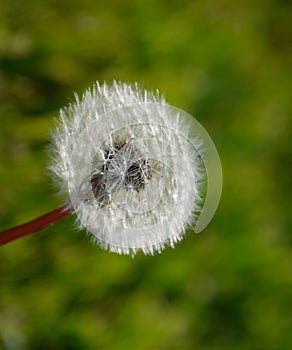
{"x": 123, "y": 167}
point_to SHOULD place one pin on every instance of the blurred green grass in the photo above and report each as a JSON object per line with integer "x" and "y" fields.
{"x": 228, "y": 64}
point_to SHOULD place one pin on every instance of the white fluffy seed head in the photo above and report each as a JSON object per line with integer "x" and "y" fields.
{"x": 132, "y": 167}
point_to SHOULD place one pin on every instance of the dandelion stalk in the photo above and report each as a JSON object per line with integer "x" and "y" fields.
{"x": 33, "y": 226}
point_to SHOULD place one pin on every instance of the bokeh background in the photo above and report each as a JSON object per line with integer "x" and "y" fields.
{"x": 225, "y": 62}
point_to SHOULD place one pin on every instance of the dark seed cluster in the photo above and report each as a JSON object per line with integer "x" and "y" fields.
{"x": 136, "y": 173}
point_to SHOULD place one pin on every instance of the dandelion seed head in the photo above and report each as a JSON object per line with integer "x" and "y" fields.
{"x": 132, "y": 167}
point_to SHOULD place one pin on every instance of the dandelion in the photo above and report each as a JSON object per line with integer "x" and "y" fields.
{"x": 136, "y": 171}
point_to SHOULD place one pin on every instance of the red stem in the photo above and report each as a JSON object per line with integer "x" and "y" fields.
{"x": 34, "y": 225}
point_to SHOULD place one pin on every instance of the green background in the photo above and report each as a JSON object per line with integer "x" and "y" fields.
{"x": 225, "y": 62}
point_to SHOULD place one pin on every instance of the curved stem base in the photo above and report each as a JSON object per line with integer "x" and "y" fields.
{"x": 34, "y": 225}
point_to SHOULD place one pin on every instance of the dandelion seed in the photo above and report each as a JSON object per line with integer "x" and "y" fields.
{"x": 133, "y": 167}
{"x": 136, "y": 171}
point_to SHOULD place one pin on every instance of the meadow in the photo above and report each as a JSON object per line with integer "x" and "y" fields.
{"x": 226, "y": 63}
